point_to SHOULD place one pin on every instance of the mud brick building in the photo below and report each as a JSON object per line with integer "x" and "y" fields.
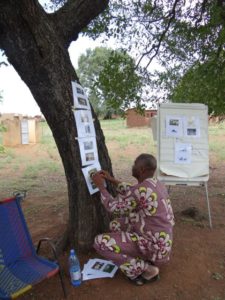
{"x": 134, "y": 119}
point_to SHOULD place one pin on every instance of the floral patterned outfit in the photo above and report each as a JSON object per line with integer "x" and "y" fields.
{"x": 141, "y": 232}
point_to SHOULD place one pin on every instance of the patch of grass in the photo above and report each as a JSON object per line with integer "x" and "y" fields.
{"x": 33, "y": 171}
{"x": 7, "y": 157}
{"x": 48, "y": 142}
{"x": 116, "y": 132}
{"x": 116, "y": 124}
{"x": 217, "y": 129}
{"x": 2, "y": 149}
{"x": 217, "y": 149}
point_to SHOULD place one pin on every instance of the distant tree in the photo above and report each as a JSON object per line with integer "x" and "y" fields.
{"x": 179, "y": 35}
{"x": 110, "y": 78}
{"x": 89, "y": 66}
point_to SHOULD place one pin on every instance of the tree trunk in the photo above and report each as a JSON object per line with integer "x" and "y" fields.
{"x": 33, "y": 44}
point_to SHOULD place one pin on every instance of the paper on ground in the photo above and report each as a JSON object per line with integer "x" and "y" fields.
{"x": 98, "y": 268}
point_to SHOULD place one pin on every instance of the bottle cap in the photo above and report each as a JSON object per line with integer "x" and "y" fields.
{"x": 72, "y": 251}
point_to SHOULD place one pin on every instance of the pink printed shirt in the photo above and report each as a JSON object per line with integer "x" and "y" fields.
{"x": 147, "y": 213}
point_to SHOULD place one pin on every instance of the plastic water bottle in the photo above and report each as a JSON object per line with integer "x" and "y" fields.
{"x": 74, "y": 266}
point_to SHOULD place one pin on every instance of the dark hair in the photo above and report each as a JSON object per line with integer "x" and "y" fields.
{"x": 148, "y": 161}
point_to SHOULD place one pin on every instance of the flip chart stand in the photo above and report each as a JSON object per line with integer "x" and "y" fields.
{"x": 182, "y": 146}
{"x": 193, "y": 183}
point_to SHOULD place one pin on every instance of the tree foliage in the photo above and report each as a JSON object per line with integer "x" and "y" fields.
{"x": 184, "y": 37}
{"x": 110, "y": 79}
{"x": 203, "y": 83}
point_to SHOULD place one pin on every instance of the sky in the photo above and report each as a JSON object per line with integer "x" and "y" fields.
{"x": 17, "y": 98}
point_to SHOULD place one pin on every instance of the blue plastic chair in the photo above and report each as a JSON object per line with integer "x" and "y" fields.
{"x": 20, "y": 266}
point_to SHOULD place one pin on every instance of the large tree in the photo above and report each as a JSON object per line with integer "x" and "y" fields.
{"x": 180, "y": 35}
{"x": 36, "y": 44}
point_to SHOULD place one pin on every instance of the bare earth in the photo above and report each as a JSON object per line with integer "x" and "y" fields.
{"x": 197, "y": 267}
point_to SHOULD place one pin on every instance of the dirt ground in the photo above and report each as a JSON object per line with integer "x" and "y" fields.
{"x": 197, "y": 267}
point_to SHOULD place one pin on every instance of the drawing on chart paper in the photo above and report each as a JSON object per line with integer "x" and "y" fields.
{"x": 192, "y": 126}
{"x": 174, "y": 126}
{"x": 183, "y": 153}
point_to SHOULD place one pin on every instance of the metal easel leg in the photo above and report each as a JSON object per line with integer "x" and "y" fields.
{"x": 207, "y": 200}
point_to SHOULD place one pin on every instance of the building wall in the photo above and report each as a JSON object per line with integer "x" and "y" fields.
{"x": 38, "y": 131}
{"x": 10, "y": 116}
{"x": 12, "y": 136}
{"x": 32, "y": 133}
{"x": 134, "y": 119}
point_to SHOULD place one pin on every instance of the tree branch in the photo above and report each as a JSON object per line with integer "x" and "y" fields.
{"x": 156, "y": 47}
{"x": 203, "y": 9}
{"x": 2, "y": 63}
{"x": 74, "y": 16}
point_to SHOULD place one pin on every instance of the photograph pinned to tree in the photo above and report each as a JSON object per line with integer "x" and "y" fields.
{"x": 80, "y": 99}
{"x": 88, "y": 150}
{"x": 84, "y": 122}
{"x": 77, "y": 89}
{"x": 88, "y": 172}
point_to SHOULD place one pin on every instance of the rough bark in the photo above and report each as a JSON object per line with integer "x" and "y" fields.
{"x": 36, "y": 45}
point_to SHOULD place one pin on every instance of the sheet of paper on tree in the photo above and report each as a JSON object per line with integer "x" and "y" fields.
{"x": 88, "y": 172}
{"x": 88, "y": 150}
{"x": 84, "y": 123}
{"x": 98, "y": 268}
{"x": 80, "y": 99}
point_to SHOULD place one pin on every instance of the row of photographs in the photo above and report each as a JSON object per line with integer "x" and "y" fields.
{"x": 178, "y": 126}
{"x": 86, "y": 136}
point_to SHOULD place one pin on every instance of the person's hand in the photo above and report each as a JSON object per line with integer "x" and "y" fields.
{"x": 106, "y": 175}
{"x": 98, "y": 180}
